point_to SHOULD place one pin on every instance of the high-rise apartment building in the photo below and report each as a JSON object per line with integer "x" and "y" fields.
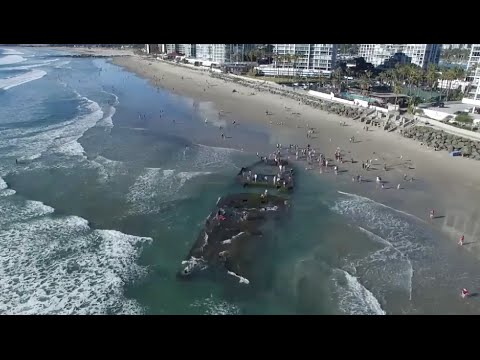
{"x": 457, "y": 46}
{"x": 222, "y": 53}
{"x": 170, "y": 48}
{"x": 419, "y": 54}
{"x": 473, "y": 72}
{"x": 305, "y": 56}
{"x": 301, "y": 59}
{"x": 186, "y": 49}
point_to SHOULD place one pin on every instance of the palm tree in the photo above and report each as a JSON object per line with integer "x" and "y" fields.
{"x": 337, "y": 76}
{"x": 432, "y": 77}
{"x": 276, "y": 58}
{"x": 364, "y": 82}
{"x": 295, "y": 58}
{"x": 382, "y": 77}
{"x": 288, "y": 59}
{"x": 397, "y": 89}
{"x": 450, "y": 75}
{"x": 251, "y": 55}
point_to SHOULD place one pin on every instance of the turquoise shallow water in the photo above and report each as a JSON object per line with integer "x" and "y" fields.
{"x": 110, "y": 194}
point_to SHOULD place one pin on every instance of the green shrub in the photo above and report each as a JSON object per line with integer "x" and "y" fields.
{"x": 464, "y": 118}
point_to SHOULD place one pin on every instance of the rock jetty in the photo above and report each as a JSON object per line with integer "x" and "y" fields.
{"x": 440, "y": 140}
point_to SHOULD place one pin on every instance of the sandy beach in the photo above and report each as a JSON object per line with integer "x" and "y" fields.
{"x": 448, "y": 185}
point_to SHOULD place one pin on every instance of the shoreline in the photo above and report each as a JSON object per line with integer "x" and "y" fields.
{"x": 435, "y": 173}
{"x": 93, "y": 52}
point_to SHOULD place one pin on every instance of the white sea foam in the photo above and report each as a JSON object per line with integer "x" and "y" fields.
{"x": 21, "y": 79}
{"x": 388, "y": 207}
{"x": 235, "y": 237}
{"x": 11, "y": 59}
{"x": 403, "y": 234}
{"x": 209, "y": 158}
{"x": 3, "y": 184}
{"x": 61, "y": 64}
{"x": 107, "y": 121}
{"x": 354, "y": 298}
{"x": 114, "y": 95}
{"x": 58, "y": 138}
{"x": 13, "y": 212}
{"x": 72, "y": 148}
{"x": 184, "y": 176}
{"x": 7, "y": 192}
{"x": 60, "y": 266}
{"x": 390, "y": 264}
{"x": 216, "y": 307}
{"x": 155, "y": 187}
{"x": 241, "y": 279}
{"x": 108, "y": 168}
{"x": 30, "y": 66}
{"x": 389, "y": 269}
{"x": 6, "y": 51}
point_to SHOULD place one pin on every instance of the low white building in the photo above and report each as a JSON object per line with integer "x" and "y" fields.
{"x": 454, "y": 84}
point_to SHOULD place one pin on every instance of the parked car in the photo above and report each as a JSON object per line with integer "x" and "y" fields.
{"x": 439, "y": 104}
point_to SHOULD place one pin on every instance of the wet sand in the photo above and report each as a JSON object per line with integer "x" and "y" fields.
{"x": 448, "y": 185}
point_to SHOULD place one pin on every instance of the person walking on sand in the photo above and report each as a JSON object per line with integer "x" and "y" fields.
{"x": 462, "y": 238}
{"x": 255, "y": 177}
{"x": 383, "y": 186}
{"x": 432, "y": 214}
{"x": 405, "y": 177}
{"x": 465, "y": 293}
{"x": 398, "y": 187}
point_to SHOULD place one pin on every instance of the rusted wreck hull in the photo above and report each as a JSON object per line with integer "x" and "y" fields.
{"x": 232, "y": 235}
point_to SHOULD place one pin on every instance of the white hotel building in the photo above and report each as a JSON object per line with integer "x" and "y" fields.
{"x": 473, "y": 75}
{"x": 420, "y": 54}
{"x": 222, "y": 53}
{"x": 311, "y": 60}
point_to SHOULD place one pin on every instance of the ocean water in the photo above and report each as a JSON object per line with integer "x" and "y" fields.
{"x": 115, "y": 178}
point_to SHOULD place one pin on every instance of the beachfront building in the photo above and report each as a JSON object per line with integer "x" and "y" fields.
{"x": 170, "y": 48}
{"x": 456, "y": 46}
{"x": 419, "y": 54}
{"x": 187, "y": 50}
{"x": 151, "y": 48}
{"x": 301, "y": 60}
{"x": 222, "y": 53}
{"x": 473, "y": 75}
